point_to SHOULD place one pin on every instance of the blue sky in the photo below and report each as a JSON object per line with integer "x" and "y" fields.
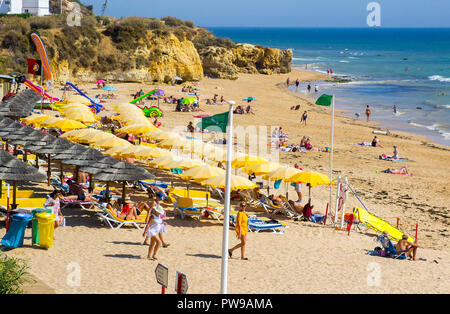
{"x": 285, "y": 13}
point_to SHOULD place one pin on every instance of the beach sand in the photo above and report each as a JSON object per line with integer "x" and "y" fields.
{"x": 307, "y": 258}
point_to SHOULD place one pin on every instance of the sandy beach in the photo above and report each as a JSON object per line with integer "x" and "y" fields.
{"x": 308, "y": 257}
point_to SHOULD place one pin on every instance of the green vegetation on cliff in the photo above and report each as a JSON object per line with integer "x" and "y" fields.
{"x": 132, "y": 48}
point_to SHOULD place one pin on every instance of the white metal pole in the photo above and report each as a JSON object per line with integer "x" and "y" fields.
{"x": 344, "y": 200}
{"x": 332, "y": 149}
{"x": 338, "y": 195}
{"x": 226, "y": 218}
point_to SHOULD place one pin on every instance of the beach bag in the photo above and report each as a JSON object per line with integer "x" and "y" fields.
{"x": 307, "y": 211}
{"x": 277, "y": 184}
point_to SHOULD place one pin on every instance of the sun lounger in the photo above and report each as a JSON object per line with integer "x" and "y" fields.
{"x": 288, "y": 210}
{"x": 256, "y": 224}
{"x": 115, "y": 222}
{"x": 185, "y": 206}
{"x": 86, "y": 205}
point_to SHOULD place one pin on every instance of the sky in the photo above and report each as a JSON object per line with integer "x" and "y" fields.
{"x": 285, "y": 13}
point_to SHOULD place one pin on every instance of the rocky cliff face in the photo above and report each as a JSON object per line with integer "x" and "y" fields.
{"x": 227, "y": 63}
{"x": 159, "y": 61}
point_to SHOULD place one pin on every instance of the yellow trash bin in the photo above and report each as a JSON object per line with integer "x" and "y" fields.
{"x": 46, "y": 226}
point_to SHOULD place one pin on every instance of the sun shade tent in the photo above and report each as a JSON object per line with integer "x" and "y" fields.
{"x": 12, "y": 169}
{"x": 123, "y": 171}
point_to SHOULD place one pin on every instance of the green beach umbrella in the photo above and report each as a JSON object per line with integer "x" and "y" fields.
{"x": 188, "y": 100}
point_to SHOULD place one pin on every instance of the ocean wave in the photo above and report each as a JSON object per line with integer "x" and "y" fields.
{"x": 443, "y": 106}
{"x": 437, "y": 127}
{"x": 344, "y": 61}
{"x": 439, "y": 78}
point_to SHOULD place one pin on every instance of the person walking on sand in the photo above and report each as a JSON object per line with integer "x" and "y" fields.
{"x": 152, "y": 230}
{"x": 304, "y": 117}
{"x": 309, "y": 88}
{"x": 288, "y": 82}
{"x": 157, "y": 204}
{"x": 241, "y": 231}
{"x": 368, "y": 113}
{"x": 297, "y": 83}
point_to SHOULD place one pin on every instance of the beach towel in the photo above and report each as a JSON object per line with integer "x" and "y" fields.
{"x": 387, "y": 158}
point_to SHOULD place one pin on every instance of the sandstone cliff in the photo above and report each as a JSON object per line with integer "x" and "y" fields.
{"x": 219, "y": 62}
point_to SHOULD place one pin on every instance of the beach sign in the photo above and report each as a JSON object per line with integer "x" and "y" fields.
{"x": 181, "y": 283}
{"x": 162, "y": 276}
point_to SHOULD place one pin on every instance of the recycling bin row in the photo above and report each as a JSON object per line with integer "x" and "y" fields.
{"x": 43, "y": 227}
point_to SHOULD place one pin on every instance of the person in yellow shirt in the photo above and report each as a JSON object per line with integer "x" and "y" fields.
{"x": 241, "y": 231}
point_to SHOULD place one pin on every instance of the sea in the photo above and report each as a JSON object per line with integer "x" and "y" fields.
{"x": 381, "y": 67}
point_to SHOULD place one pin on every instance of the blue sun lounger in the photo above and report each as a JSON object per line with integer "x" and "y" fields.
{"x": 256, "y": 224}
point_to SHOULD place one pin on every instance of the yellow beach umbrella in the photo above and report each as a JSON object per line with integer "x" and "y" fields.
{"x": 174, "y": 142}
{"x": 134, "y": 151}
{"x": 95, "y": 136}
{"x": 77, "y": 99}
{"x": 236, "y": 182}
{"x": 73, "y": 135}
{"x": 156, "y": 152}
{"x": 159, "y": 135}
{"x": 36, "y": 118}
{"x": 202, "y": 173}
{"x": 282, "y": 173}
{"x": 137, "y": 129}
{"x": 50, "y": 122}
{"x": 117, "y": 150}
{"x": 76, "y": 110}
{"x": 183, "y": 164}
{"x": 247, "y": 160}
{"x": 313, "y": 178}
{"x": 68, "y": 124}
{"x": 81, "y": 116}
{"x": 310, "y": 178}
{"x": 74, "y": 106}
{"x": 162, "y": 161}
{"x": 111, "y": 142}
{"x": 261, "y": 168}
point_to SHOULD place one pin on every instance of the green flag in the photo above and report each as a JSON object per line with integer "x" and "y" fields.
{"x": 324, "y": 100}
{"x": 219, "y": 120}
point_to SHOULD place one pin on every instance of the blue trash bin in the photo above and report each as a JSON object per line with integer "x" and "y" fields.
{"x": 14, "y": 237}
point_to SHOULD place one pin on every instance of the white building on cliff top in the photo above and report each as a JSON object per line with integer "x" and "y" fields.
{"x": 36, "y": 7}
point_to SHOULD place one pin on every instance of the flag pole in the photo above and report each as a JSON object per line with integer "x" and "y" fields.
{"x": 331, "y": 151}
{"x": 226, "y": 218}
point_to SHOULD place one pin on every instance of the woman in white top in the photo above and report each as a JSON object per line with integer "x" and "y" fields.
{"x": 53, "y": 200}
{"x": 157, "y": 204}
{"x": 152, "y": 230}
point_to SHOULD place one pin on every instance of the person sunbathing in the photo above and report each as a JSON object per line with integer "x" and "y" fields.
{"x": 128, "y": 210}
{"x": 403, "y": 170}
{"x": 76, "y": 192}
{"x": 376, "y": 142}
{"x": 409, "y": 248}
{"x": 249, "y": 110}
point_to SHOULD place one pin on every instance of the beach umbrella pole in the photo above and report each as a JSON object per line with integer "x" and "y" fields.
{"x": 331, "y": 152}
{"x": 226, "y": 219}
{"x": 14, "y": 205}
{"x": 49, "y": 169}
{"x": 123, "y": 190}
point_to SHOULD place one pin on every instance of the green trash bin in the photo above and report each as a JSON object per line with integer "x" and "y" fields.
{"x": 35, "y": 225}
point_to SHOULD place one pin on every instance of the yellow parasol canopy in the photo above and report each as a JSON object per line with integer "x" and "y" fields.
{"x": 77, "y": 99}
{"x": 162, "y": 161}
{"x": 282, "y": 173}
{"x": 183, "y": 164}
{"x": 156, "y": 152}
{"x": 313, "y": 178}
{"x": 174, "y": 142}
{"x": 73, "y": 135}
{"x": 159, "y": 135}
{"x": 111, "y": 142}
{"x": 236, "y": 182}
{"x": 68, "y": 124}
{"x": 117, "y": 150}
{"x": 35, "y": 118}
{"x": 247, "y": 160}
{"x": 81, "y": 116}
{"x": 50, "y": 122}
{"x": 94, "y": 136}
{"x": 261, "y": 168}
{"x": 202, "y": 173}
{"x": 137, "y": 129}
